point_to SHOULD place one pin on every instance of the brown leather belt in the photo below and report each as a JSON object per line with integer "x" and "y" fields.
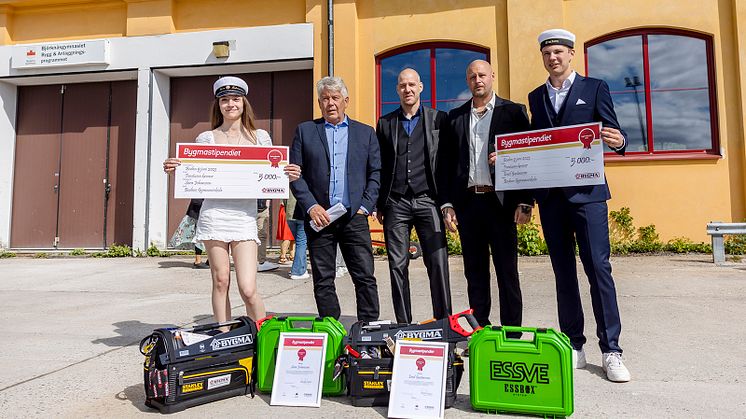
{"x": 481, "y": 188}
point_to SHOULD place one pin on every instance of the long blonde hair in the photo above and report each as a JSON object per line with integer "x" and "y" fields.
{"x": 247, "y": 117}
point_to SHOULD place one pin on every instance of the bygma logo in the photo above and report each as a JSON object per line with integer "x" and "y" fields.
{"x": 519, "y": 372}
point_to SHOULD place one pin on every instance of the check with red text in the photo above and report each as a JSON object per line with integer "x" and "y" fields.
{"x": 556, "y": 157}
{"x": 231, "y": 172}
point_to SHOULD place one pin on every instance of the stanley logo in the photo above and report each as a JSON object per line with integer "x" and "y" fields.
{"x": 231, "y": 342}
{"x": 373, "y": 385}
{"x": 431, "y": 334}
{"x": 192, "y": 387}
{"x": 519, "y": 372}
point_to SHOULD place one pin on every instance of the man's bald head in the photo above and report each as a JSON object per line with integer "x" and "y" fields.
{"x": 479, "y": 77}
{"x": 409, "y": 73}
{"x": 409, "y": 87}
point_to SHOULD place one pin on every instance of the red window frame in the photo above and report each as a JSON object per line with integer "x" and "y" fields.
{"x": 432, "y": 46}
{"x": 711, "y": 153}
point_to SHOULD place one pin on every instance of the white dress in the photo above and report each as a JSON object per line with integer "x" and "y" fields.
{"x": 228, "y": 220}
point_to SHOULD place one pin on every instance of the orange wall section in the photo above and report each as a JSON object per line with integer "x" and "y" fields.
{"x": 104, "y": 19}
{"x": 150, "y": 17}
{"x": 198, "y": 15}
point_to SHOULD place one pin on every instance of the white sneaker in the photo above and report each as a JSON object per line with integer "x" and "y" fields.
{"x": 578, "y": 359}
{"x": 341, "y": 271}
{"x": 305, "y": 275}
{"x": 614, "y": 367}
{"x": 266, "y": 266}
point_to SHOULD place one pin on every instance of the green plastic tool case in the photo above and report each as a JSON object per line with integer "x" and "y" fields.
{"x": 178, "y": 376}
{"x": 269, "y": 338}
{"x": 521, "y": 376}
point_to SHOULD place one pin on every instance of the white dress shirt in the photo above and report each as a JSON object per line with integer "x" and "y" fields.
{"x": 479, "y": 130}
{"x": 558, "y": 95}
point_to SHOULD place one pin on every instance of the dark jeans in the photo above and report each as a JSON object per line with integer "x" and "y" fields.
{"x": 353, "y": 236}
{"x": 400, "y": 215}
{"x": 564, "y": 223}
{"x": 485, "y": 226}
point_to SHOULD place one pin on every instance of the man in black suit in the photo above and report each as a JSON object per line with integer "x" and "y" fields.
{"x": 409, "y": 139}
{"x": 485, "y": 219}
{"x": 341, "y": 164}
{"x": 579, "y": 214}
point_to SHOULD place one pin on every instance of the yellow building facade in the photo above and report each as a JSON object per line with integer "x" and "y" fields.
{"x": 678, "y": 192}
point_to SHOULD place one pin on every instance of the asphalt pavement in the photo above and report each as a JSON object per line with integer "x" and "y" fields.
{"x": 70, "y": 330}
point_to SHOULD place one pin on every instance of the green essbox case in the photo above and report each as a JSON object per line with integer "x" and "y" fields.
{"x": 268, "y": 339}
{"x": 521, "y": 376}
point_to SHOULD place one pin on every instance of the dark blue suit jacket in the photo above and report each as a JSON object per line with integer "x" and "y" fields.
{"x": 310, "y": 151}
{"x": 598, "y": 107}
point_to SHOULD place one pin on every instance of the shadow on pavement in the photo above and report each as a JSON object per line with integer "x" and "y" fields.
{"x": 135, "y": 394}
{"x": 132, "y": 331}
{"x": 462, "y": 403}
{"x": 176, "y": 264}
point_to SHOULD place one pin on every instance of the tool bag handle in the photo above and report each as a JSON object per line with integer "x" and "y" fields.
{"x": 147, "y": 344}
{"x": 292, "y": 320}
{"x": 469, "y": 316}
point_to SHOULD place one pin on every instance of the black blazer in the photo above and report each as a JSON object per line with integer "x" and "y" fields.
{"x": 386, "y": 130}
{"x": 453, "y": 169}
{"x": 588, "y": 101}
{"x": 311, "y": 152}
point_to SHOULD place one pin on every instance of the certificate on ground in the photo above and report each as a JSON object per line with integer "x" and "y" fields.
{"x": 418, "y": 382}
{"x": 299, "y": 370}
{"x": 564, "y": 156}
{"x": 231, "y": 171}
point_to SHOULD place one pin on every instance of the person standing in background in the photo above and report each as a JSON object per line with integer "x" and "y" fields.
{"x": 299, "y": 269}
{"x": 262, "y": 225}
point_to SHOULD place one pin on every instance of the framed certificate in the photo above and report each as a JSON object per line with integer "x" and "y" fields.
{"x": 418, "y": 382}
{"x": 231, "y": 171}
{"x": 557, "y": 157}
{"x": 299, "y": 370}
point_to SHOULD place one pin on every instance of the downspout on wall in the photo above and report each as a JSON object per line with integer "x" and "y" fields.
{"x": 330, "y": 26}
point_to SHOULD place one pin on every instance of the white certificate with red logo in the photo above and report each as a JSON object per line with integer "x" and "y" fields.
{"x": 231, "y": 171}
{"x": 418, "y": 382}
{"x": 557, "y": 157}
{"x": 299, "y": 370}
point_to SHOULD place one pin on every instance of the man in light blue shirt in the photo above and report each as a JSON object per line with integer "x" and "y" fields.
{"x": 341, "y": 164}
{"x": 336, "y": 139}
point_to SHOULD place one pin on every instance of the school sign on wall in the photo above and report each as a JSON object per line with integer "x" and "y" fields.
{"x": 60, "y": 54}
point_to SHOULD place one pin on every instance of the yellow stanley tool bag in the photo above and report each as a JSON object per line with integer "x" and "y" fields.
{"x": 191, "y": 366}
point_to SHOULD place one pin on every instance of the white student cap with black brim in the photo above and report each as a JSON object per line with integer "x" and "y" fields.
{"x": 556, "y": 37}
{"x": 230, "y": 86}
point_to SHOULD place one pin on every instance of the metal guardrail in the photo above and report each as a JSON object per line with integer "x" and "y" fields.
{"x": 717, "y": 229}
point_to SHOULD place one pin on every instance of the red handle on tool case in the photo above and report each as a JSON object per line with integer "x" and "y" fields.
{"x": 469, "y": 316}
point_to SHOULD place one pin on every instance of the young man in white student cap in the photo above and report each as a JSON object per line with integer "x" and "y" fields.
{"x": 579, "y": 214}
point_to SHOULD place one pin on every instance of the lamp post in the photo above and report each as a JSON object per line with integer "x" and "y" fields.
{"x": 634, "y": 83}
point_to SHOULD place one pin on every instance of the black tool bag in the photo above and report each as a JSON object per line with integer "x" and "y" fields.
{"x": 369, "y": 363}
{"x": 178, "y": 375}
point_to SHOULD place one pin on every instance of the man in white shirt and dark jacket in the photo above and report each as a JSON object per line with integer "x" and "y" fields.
{"x": 579, "y": 214}
{"x": 485, "y": 219}
{"x": 409, "y": 138}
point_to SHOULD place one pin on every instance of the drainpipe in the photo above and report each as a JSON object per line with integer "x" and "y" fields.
{"x": 330, "y": 25}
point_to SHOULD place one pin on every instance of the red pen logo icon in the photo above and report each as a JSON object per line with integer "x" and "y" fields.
{"x": 420, "y": 363}
{"x": 274, "y": 157}
{"x": 586, "y": 136}
{"x": 301, "y": 354}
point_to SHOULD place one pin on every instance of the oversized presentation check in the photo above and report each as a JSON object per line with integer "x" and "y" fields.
{"x": 557, "y": 157}
{"x": 231, "y": 171}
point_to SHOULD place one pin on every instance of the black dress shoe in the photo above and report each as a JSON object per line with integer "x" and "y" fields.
{"x": 202, "y": 265}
